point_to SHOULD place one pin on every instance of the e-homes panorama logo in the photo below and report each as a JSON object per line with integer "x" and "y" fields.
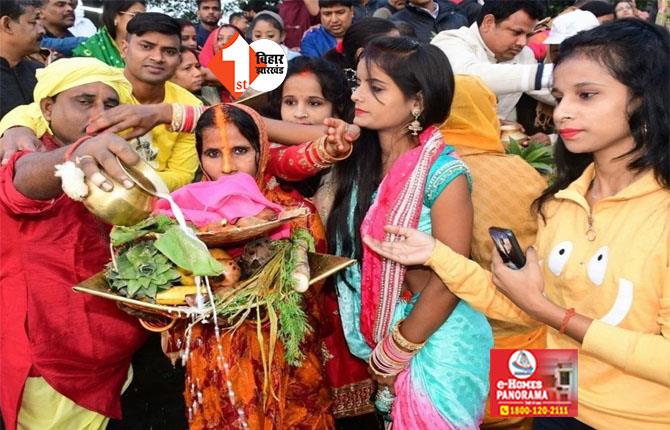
{"x": 239, "y": 66}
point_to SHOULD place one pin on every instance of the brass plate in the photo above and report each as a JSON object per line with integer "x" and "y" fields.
{"x": 97, "y": 286}
{"x": 230, "y": 235}
{"x": 321, "y": 266}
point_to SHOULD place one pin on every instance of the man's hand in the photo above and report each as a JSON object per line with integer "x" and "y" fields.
{"x": 101, "y": 152}
{"x": 18, "y": 139}
{"x": 341, "y": 136}
{"x": 139, "y": 118}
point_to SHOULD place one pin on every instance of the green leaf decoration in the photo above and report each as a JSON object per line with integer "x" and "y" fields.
{"x": 303, "y": 234}
{"x": 156, "y": 224}
{"x": 293, "y": 327}
{"x": 271, "y": 287}
{"x": 188, "y": 253}
{"x": 539, "y": 156}
{"x": 141, "y": 271}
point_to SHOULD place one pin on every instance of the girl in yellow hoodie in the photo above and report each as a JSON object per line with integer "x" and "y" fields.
{"x": 599, "y": 275}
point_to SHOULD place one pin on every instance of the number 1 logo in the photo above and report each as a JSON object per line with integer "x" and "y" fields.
{"x": 240, "y": 66}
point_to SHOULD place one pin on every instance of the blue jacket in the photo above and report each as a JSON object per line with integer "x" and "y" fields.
{"x": 423, "y": 23}
{"x": 63, "y": 45}
{"x": 201, "y": 35}
{"x": 317, "y": 42}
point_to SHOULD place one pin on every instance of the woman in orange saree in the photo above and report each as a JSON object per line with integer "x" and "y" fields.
{"x": 232, "y": 395}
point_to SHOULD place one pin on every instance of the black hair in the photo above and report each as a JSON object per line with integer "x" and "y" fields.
{"x": 231, "y": 26}
{"x": 636, "y": 54}
{"x": 236, "y": 15}
{"x": 412, "y": 67}
{"x": 154, "y": 22}
{"x": 330, "y": 78}
{"x": 502, "y": 9}
{"x": 15, "y": 8}
{"x": 242, "y": 120}
{"x": 183, "y": 23}
{"x": 111, "y": 8}
{"x": 598, "y": 8}
{"x": 183, "y": 49}
{"x": 357, "y": 36}
{"x": 333, "y": 3}
{"x": 406, "y": 29}
{"x": 267, "y": 18}
{"x": 334, "y": 89}
{"x": 199, "y": 2}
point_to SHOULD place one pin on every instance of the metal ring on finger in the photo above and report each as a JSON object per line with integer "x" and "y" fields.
{"x": 78, "y": 160}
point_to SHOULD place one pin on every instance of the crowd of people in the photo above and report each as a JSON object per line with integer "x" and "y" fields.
{"x": 387, "y": 128}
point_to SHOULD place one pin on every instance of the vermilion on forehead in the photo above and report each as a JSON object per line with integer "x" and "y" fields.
{"x": 221, "y": 123}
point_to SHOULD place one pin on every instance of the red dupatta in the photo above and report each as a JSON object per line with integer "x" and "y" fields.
{"x": 399, "y": 201}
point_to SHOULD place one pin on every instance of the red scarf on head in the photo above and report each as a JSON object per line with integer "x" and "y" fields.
{"x": 399, "y": 201}
{"x": 207, "y": 52}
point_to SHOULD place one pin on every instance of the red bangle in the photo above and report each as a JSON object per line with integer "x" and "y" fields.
{"x": 189, "y": 118}
{"x": 75, "y": 145}
{"x": 569, "y": 313}
{"x": 313, "y": 157}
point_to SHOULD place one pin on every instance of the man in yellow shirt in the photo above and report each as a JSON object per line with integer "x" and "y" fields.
{"x": 152, "y": 56}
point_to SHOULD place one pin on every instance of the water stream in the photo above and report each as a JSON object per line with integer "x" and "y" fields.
{"x": 195, "y": 390}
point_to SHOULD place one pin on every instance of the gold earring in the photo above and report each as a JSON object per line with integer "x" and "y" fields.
{"x": 415, "y": 126}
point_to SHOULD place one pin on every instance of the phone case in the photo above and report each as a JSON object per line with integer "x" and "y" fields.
{"x": 508, "y": 247}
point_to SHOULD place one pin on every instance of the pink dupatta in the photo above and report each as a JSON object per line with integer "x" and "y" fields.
{"x": 207, "y": 51}
{"x": 231, "y": 197}
{"x": 399, "y": 201}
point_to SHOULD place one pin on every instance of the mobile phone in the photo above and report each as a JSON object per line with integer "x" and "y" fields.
{"x": 508, "y": 247}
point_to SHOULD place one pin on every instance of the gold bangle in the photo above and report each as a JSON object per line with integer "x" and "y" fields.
{"x": 178, "y": 117}
{"x": 325, "y": 156}
{"x": 400, "y": 340}
{"x": 316, "y": 156}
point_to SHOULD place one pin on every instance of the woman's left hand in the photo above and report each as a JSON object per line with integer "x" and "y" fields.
{"x": 380, "y": 380}
{"x": 341, "y": 137}
{"x": 525, "y": 286}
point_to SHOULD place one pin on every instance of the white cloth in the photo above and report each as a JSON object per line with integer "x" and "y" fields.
{"x": 469, "y": 55}
{"x": 83, "y": 27}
